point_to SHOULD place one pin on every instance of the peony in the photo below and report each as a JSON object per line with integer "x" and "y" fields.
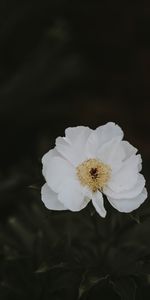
{"x": 87, "y": 164}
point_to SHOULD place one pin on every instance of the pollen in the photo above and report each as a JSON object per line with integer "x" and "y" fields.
{"x": 93, "y": 174}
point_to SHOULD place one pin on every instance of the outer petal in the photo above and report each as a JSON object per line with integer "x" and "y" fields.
{"x": 57, "y": 172}
{"x": 98, "y": 202}
{"x": 108, "y": 132}
{"x": 72, "y": 196}
{"x": 112, "y": 153}
{"x": 135, "y": 191}
{"x": 73, "y": 133}
{"x": 128, "y": 205}
{"x": 101, "y": 136}
{"x": 129, "y": 150}
{"x": 127, "y": 176}
{"x": 47, "y": 158}
{"x": 72, "y": 146}
{"x": 50, "y": 199}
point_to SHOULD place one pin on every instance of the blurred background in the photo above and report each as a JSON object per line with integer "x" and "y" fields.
{"x": 63, "y": 63}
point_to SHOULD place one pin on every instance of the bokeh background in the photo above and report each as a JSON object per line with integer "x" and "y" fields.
{"x": 67, "y": 63}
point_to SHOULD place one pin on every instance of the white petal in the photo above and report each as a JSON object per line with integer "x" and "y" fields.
{"x": 72, "y": 133}
{"x": 108, "y": 132}
{"x": 47, "y": 158}
{"x": 72, "y": 196}
{"x": 140, "y": 164}
{"x": 128, "y": 149}
{"x": 87, "y": 192}
{"x": 112, "y": 153}
{"x": 101, "y": 136}
{"x": 57, "y": 172}
{"x": 72, "y": 146}
{"x": 50, "y": 199}
{"x": 128, "y": 205}
{"x": 92, "y": 145}
{"x": 127, "y": 176}
{"x": 136, "y": 190}
{"x": 98, "y": 202}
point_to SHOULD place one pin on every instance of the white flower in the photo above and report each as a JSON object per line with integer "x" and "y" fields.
{"x": 85, "y": 164}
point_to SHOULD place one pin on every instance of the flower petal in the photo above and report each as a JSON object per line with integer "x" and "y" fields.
{"x": 109, "y": 131}
{"x": 50, "y": 199}
{"x": 128, "y": 205}
{"x": 112, "y": 153}
{"x": 72, "y": 196}
{"x": 92, "y": 145}
{"x": 98, "y": 202}
{"x": 101, "y": 136}
{"x": 73, "y": 133}
{"x": 127, "y": 176}
{"x": 129, "y": 150}
{"x": 72, "y": 146}
{"x": 47, "y": 158}
{"x": 131, "y": 193}
{"x": 57, "y": 172}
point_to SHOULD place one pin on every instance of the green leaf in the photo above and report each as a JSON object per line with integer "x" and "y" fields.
{"x": 125, "y": 288}
{"x": 135, "y": 218}
{"x": 89, "y": 281}
{"x": 45, "y": 268}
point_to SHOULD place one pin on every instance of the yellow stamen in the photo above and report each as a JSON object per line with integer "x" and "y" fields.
{"x": 94, "y": 174}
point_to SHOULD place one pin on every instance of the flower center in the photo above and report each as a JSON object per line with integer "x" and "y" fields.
{"x": 94, "y": 174}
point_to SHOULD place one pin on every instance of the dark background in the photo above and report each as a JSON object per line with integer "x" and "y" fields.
{"x": 64, "y": 63}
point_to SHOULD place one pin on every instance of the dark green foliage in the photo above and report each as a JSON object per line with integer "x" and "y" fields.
{"x": 65, "y": 255}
